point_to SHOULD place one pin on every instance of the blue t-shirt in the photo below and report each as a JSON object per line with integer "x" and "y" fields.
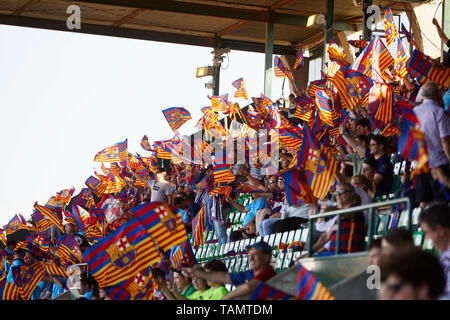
{"x": 184, "y": 215}
{"x": 385, "y": 169}
{"x": 256, "y": 205}
{"x": 88, "y": 295}
{"x": 16, "y": 262}
{"x": 241, "y": 277}
{"x": 446, "y": 98}
{"x": 57, "y": 290}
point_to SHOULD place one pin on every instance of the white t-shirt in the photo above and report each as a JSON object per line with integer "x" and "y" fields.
{"x": 159, "y": 191}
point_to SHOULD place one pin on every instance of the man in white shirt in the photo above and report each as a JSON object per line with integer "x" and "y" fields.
{"x": 160, "y": 188}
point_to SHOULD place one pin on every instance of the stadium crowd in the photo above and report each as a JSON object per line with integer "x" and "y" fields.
{"x": 363, "y": 155}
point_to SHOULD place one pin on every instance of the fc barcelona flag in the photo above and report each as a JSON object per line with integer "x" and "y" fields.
{"x": 381, "y": 100}
{"x": 297, "y": 189}
{"x": 42, "y": 223}
{"x": 145, "y": 144}
{"x": 358, "y": 43}
{"x": 299, "y": 60}
{"x": 280, "y": 69}
{"x": 182, "y": 254}
{"x": 121, "y": 255}
{"x": 176, "y": 117}
{"x": 266, "y": 292}
{"x": 26, "y": 278}
{"x": 138, "y": 287}
{"x": 308, "y": 288}
{"x": 50, "y": 214}
{"x": 429, "y": 68}
{"x": 198, "y": 228}
{"x": 165, "y": 226}
{"x": 115, "y": 153}
{"x": 389, "y": 28}
{"x": 240, "y": 92}
{"x": 8, "y": 290}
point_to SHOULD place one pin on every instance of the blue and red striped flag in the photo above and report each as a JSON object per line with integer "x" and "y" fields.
{"x": 42, "y": 223}
{"x": 85, "y": 199}
{"x": 316, "y": 85}
{"x": 145, "y": 144}
{"x": 121, "y": 255}
{"x": 280, "y": 69}
{"x": 429, "y": 68}
{"x": 165, "y": 226}
{"x": 309, "y": 288}
{"x": 266, "y": 292}
{"x": 299, "y": 60}
{"x": 176, "y": 117}
{"x": 198, "y": 228}
{"x": 138, "y": 287}
{"x": 401, "y": 60}
{"x": 380, "y": 103}
{"x": 67, "y": 248}
{"x": 27, "y": 277}
{"x": 182, "y": 255}
{"x": 220, "y": 103}
{"x": 297, "y": 188}
{"x": 337, "y": 54}
{"x": 240, "y": 92}
{"x": 8, "y": 290}
{"x": 115, "y": 153}
{"x": 326, "y": 114}
{"x": 50, "y": 215}
{"x": 389, "y": 28}
{"x": 96, "y": 185}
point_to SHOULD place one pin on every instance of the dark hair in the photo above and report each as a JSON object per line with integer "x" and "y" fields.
{"x": 215, "y": 265}
{"x": 363, "y": 122}
{"x": 436, "y": 213}
{"x": 375, "y": 243}
{"x": 364, "y": 181}
{"x": 158, "y": 273}
{"x": 11, "y": 243}
{"x": 89, "y": 281}
{"x": 416, "y": 267}
{"x": 363, "y": 138}
{"x": 380, "y": 139}
{"x": 399, "y": 237}
{"x": 161, "y": 169}
{"x": 373, "y": 164}
{"x": 178, "y": 201}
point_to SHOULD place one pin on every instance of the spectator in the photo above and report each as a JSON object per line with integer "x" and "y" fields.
{"x": 18, "y": 260}
{"x": 411, "y": 275}
{"x": 217, "y": 290}
{"x": 160, "y": 188}
{"x": 87, "y": 286}
{"x": 369, "y": 169}
{"x": 71, "y": 230}
{"x": 259, "y": 202}
{"x": 444, "y": 39}
{"x": 397, "y": 239}
{"x": 259, "y": 256}
{"x": 160, "y": 279}
{"x": 290, "y": 218}
{"x": 200, "y": 285}
{"x": 362, "y": 127}
{"x": 385, "y": 175}
{"x": 183, "y": 283}
{"x": 360, "y": 145}
{"x": 436, "y": 126}
{"x": 374, "y": 252}
{"x": 435, "y": 223}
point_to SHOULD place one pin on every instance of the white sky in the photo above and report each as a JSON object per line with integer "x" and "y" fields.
{"x": 66, "y": 96}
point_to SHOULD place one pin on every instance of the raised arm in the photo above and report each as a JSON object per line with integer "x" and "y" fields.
{"x": 440, "y": 31}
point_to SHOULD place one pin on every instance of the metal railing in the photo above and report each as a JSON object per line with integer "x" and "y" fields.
{"x": 370, "y": 228}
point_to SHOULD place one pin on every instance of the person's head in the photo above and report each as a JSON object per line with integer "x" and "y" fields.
{"x": 180, "y": 280}
{"x": 374, "y": 252}
{"x": 199, "y": 283}
{"x": 397, "y": 239}
{"x": 378, "y": 145}
{"x": 272, "y": 184}
{"x": 70, "y": 228}
{"x": 369, "y": 168}
{"x": 362, "y": 140}
{"x": 346, "y": 195}
{"x": 363, "y": 126}
{"x": 435, "y": 223}
{"x": 431, "y": 91}
{"x": 286, "y": 160}
{"x": 87, "y": 283}
{"x": 11, "y": 245}
{"x": 158, "y": 275}
{"x": 214, "y": 265}
{"x": 291, "y": 97}
{"x": 180, "y": 203}
{"x": 361, "y": 181}
{"x": 209, "y": 169}
{"x": 259, "y": 255}
{"x": 20, "y": 253}
{"x": 411, "y": 275}
{"x": 161, "y": 173}
{"x": 250, "y": 228}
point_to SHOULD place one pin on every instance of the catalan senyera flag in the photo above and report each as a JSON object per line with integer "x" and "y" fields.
{"x": 50, "y": 215}
{"x": 380, "y": 102}
{"x": 8, "y": 290}
{"x": 165, "y": 226}
{"x": 176, "y": 117}
{"x": 308, "y": 288}
{"x": 428, "y": 68}
{"x": 266, "y": 292}
{"x": 27, "y": 277}
{"x": 389, "y": 28}
{"x": 198, "y": 228}
{"x": 121, "y": 255}
{"x": 240, "y": 92}
{"x": 299, "y": 60}
{"x": 138, "y": 287}
{"x": 297, "y": 188}
{"x": 358, "y": 43}
{"x": 115, "y": 153}
{"x": 280, "y": 69}
{"x": 401, "y": 60}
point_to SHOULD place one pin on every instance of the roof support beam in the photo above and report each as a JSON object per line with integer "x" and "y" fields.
{"x": 25, "y": 7}
{"x": 128, "y": 17}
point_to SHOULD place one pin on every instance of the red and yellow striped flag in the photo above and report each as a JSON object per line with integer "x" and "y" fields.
{"x": 51, "y": 215}
{"x": 389, "y": 28}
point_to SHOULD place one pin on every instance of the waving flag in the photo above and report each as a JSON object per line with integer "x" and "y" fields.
{"x": 280, "y": 69}
{"x": 291, "y": 137}
{"x": 337, "y": 54}
{"x": 408, "y": 36}
{"x": 182, "y": 254}
{"x": 389, "y": 28}
{"x": 429, "y": 68}
{"x": 220, "y": 103}
{"x": 240, "y": 92}
{"x": 380, "y": 102}
{"x": 326, "y": 114}
{"x": 176, "y": 117}
{"x": 67, "y": 248}
{"x": 138, "y": 287}
{"x": 85, "y": 199}
{"x": 308, "y": 288}
{"x": 358, "y": 43}
{"x": 27, "y": 278}
{"x": 198, "y": 228}
{"x": 40, "y": 240}
{"x": 266, "y": 292}
{"x": 53, "y": 270}
{"x": 8, "y": 290}
{"x": 42, "y": 223}
{"x": 51, "y": 215}
{"x": 64, "y": 196}
{"x": 297, "y": 188}
{"x": 401, "y": 60}
{"x": 115, "y": 153}
{"x": 299, "y": 60}
{"x": 165, "y": 227}
{"x": 121, "y": 255}
{"x": 316, "y": 85}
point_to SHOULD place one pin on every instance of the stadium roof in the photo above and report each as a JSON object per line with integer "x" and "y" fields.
{"x": 238, "y": 24}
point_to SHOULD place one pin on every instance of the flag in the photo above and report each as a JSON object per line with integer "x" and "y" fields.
{"x": 389, "y": 129}
{"x": 96, "y": 185}
{"x": 389, "y": 28}
{"x": 54, "y": 270}
{"x": 220, "y": 103}
{"x": 27, "y": 277}
{"x": 50, "y": 215}
{"x": 63, "y": 197}
{"x": 145, "y": 144}
{"x": 325, "y": 112}
{"x": 165, "y": 226}
{"x": 85, "y": 199}
{"x": 337, "y": 54}
{"x": 266, "y": 292}
{"x": 115, "y": 153}
{"x": 380, "y": 102}
{"x": 297, "y": 189}
{"x": 408, "y": 36}
{"x": 358, "y": 43}
{"x": 291, "y": 137}
{"x": 182, "y": 254}
{"x": 8, "y": 290}
{"x": 42, "y": 223}
{"x": 240, "y": 92}
{"x": 299, "y": 60}
{"x": 40, "y": 240}
{"x": 429, "y": 68}
{"x": 316, "y": 85}
{"x": 412, "y": 145}
{"x": 280, "y": 69}
{"x": 176, "y": 117}
{"x": 308, "y": 288}
{"x": 138, "y": 287}
{"x": 198, "y": 228}
{"x": 121, "y": 255}
{"x": 401, "y": 59}
{"x": 67, "y": 248}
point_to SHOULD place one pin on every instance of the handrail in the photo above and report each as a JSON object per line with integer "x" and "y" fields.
{"x": 370, "y": 227}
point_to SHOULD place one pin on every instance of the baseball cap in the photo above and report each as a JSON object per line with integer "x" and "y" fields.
{"x": 261, "y": 245}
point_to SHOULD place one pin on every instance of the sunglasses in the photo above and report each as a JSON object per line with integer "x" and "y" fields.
{"x": 341, "y": 192}
{"x": 272, "y": 181}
